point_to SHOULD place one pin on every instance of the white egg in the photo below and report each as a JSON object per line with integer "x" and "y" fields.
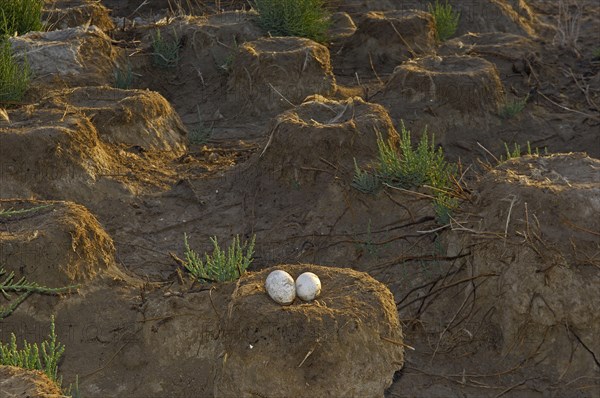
{"x": 281, "y": 287}
{"x": 308, "y": 286}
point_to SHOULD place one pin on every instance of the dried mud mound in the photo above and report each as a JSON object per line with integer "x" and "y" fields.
{"x": 50, "y": 153}
{"x": 21, "y": 383}
{"x": 384, "y": 40}
{"x": 130, "y": 117}
{"x": 207, "y": 48}
{"x": 346, "y": 343}
{"x": 466, "y": 84}
{"x": 151, "y": 8}
{"x": 77, "y": 140}
{"x": 538, "y": 231}
{"x": 63, "y": 14}
{"x": 207, "y": 44}
{"x": 73, "y": 57}
{"x": 361, "y": 6}
{"x": 509, "y": 16}
{"x": 134, "y": 339}
{"x": 511, "y": 54}
{"x": 323, "y": 137}
{"x": 270, "y": 75}
{"x": 54, "y": 243}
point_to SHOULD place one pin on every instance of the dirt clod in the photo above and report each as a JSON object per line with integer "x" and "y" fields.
{"x": 346, "y": 343}
{"x": 322, "y": 137}
{"x": 468, "y": 84}
{"x": 17, "y": 382}
{"x": 273, "y": 74}
{"x": 383, "y": 40}
{"x": 543, "y": 211}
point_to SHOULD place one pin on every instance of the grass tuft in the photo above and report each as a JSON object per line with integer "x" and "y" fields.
{"x": 165, "y": 52}
{"x": 18, "y": 17}
{"x": 302, "y": 18}
{"x": 220, "y": 266}
{"x": 14, "y": 77}
{"x": 510, "y": 109}
{"x": 446, "y": 20}
{"x": 124, "y": 77}
{"x": 402, "y": 166}
{"x": 200, "y": 134}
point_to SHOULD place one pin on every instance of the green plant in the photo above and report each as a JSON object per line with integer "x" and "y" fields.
{"x": 517, "y": 153}
{"x": 220, "y": 266}
{"x": 443, "y": 205}
{"x": 25, "y": 288}
{"x": 44, "y": 357}
{"x": 365, "y": 181}
{"x": 445, "y": 19}
{"x": 400, "y": 165}
{"x": 200, "y": 134}
{"x": 303, "y": 18}
{"x": 14, "y": 78}
{"x": 165, "y": 52}
{"x": 73, "y": 390}
{"x": 12, "y": 212}
{"x": 369, "y": 245}
{"x": 124, "y": 77}
{"x": 20, "y": 16}
{"x": 596, "y": 53}
{"x": 510, "y": 109}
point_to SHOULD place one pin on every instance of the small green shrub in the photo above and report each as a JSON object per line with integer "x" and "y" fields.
{"x": 367, "y": 244}
{"x": 443, "y": 205}
{"x": 446, "y": 20}
{"x": 124, "y": 77}
{"x": 596, "y": 53}
{"x": 33, "y": 357}
{"x": 302, "y": 18}
{"x": 165, "y": 52}
{"x": 200, "y": 134}
{"x": 220, "y": 266}
{"x": 20, "y": 16}
{"x": 400, "y": 165}
{"x": 365, "y": 181}
{"x": 510, "y": 109}
{"x": 14, "y": 78}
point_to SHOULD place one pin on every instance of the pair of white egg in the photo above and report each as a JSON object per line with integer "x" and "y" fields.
{"x": 283, "y": 290}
